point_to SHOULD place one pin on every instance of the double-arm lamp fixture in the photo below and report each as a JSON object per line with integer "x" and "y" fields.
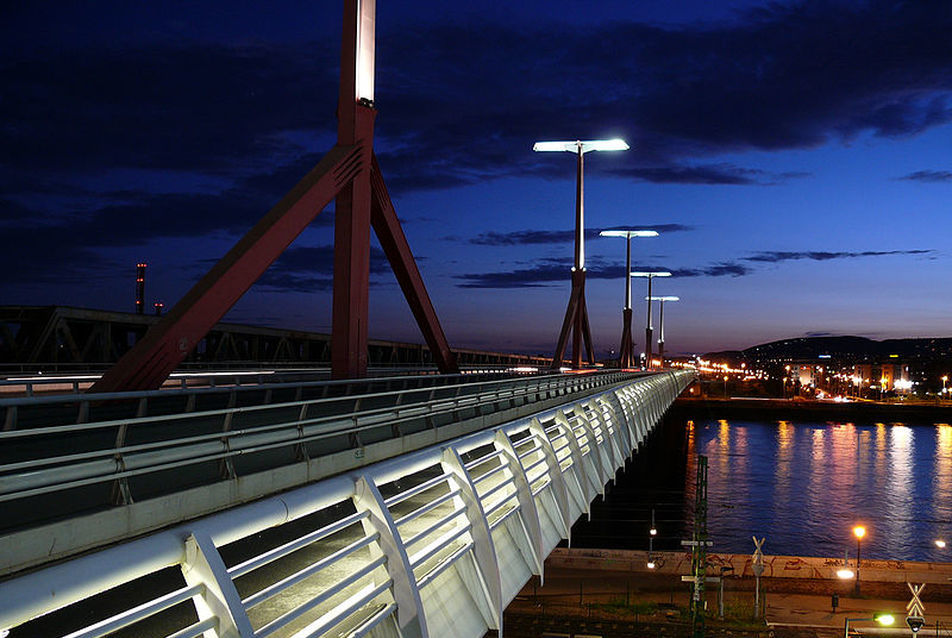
{"x": 576, "y": 315}
{"x": 648, "y": 329}
{"x": 626, "y": 351}
{"x": 661, "y": 322}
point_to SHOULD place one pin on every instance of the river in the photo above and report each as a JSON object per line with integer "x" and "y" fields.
{"x": 801, "y": 485}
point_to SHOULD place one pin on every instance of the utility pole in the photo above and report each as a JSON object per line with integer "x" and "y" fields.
{"x": 699, "y": 544}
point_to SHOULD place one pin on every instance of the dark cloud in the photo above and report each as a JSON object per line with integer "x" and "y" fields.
{"x": 529, "y": 237}
{"x": 72, "y": 242}
{"x": 792, "y": 75}
{"x": 928, "y": 176}
{"x": 184, "y": 106}
{"x": 311, "y": 268}
{"x": 774, "y": 257}
{"x": 789, "y": 75}
{"x": 719, "y": 174}
{"x": 547, "y": 271}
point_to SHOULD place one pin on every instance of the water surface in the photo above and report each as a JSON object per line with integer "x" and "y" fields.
{"x": 805, "y": 485}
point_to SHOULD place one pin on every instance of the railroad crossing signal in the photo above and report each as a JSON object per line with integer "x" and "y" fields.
{"x": 915, "y": 608}
{"x": 758, "y": 556}
{"x": 758, "y": 568}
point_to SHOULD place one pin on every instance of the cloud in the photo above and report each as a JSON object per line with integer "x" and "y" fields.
{"x": 692, "y": 175}
{"x": 928, "y": 176}
{"x": 774, "y": 257}
{"x": 254, "y": 118}
{"x": 547, "y": 271}
{"x": 310, "y": 268}
{"x": 530, "y": 237}
{"x": 763, "y": 80}
{"x": 720, "y": 174}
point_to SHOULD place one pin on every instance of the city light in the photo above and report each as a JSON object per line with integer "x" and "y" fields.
{"x": 859, "y": 532}
{"x": 940, "y": 543}
{"x": 845, "y": 573}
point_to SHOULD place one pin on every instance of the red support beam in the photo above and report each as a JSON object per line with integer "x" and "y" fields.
{"x": 394, "y": 243}
{"x": 352, "y": 259}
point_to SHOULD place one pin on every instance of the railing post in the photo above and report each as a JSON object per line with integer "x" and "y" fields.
{"x": 594, "y": 448}
{"x": 528, "y": 513}
{"x": 484, "y": 551}
{"x": 581, "y": 471}
{"x": 203, "y": 565}
{"x": 557, "y": 481}
{"x": 410, "y": 614}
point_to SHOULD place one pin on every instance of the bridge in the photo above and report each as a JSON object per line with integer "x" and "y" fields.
{"x": 408, "y": 506}
{"x": 280, "y": 503}
{"x": 63, "y": 338}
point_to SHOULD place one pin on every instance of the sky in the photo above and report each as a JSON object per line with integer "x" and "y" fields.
{"x": 793, "y": 155}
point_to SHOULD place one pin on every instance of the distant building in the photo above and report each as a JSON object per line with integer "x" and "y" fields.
{"x": 891, "y": 376}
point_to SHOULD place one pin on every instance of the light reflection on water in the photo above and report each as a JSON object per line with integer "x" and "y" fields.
{"x": 804, "y": 485}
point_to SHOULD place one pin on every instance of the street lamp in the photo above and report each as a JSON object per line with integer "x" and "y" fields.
{"x": 945, "y": 378}
{"x": 648, "y": 329}
{"x": 661, "y": 322}
{"x": 884, "y": 619}
{"x": 625, "y": 354}
{"x": 576, "y": 315}
{"x": 859, "y": 532}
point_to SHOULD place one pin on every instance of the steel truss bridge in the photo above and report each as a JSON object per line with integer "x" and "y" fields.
{"x": 411, "y": 507}
{"x": 64, "y": 338}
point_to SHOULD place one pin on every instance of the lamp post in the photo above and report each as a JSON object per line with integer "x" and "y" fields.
{"x": 652, "y": 532}
{"x": 945, "y": 378}
{"x": 859, "y": 532}
{"x": 625, "y": 353}
{"x": 661, "y": 322}
{"x": 576, "y": 315}
{"x": 648, "y": 329}
{"x": 883, "y": 619}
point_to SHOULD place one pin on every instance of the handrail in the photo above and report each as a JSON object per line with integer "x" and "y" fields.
{"x": 86, "y": 399}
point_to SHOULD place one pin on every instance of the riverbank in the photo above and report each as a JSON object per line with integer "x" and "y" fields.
{"x": 613, "y": 594}
{"x": 799, "y": 410}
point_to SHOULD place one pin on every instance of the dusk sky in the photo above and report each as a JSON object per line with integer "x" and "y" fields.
{"x": 794, "y": 156}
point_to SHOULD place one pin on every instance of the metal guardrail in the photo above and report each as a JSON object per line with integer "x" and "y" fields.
{"x": 124, "y": 448}
{"x": 39, "y": 383}
{"x": 229, "y": 385}
{"x": 62, "y": 486}
{"x": 433, "y": 543}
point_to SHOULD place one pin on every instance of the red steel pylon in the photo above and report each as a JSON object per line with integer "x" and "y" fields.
{"x": 348, "y": 172}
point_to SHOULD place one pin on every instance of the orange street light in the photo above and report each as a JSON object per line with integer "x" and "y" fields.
{"x": 859, "y": 532}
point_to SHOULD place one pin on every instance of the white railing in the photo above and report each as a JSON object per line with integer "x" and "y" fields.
{"x": 433, "y": 543}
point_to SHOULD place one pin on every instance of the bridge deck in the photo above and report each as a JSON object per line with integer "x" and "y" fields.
{"x": 433, "y": 542}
